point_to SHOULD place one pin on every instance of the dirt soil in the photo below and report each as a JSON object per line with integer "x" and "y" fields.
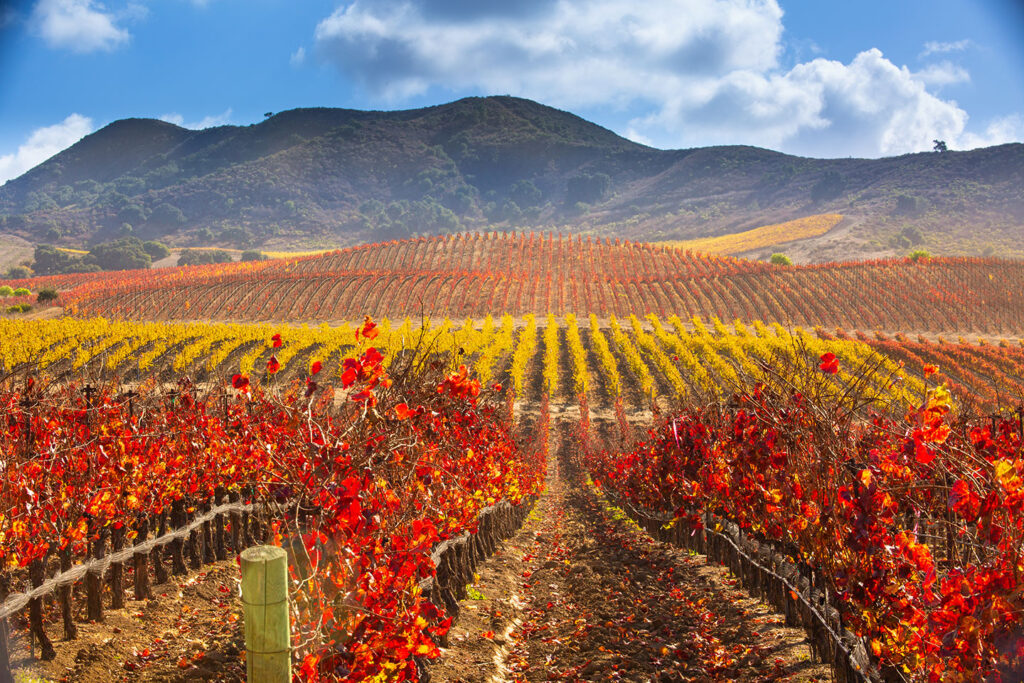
{"x": 190, "y": 631}
{"x": 582, "y": 594}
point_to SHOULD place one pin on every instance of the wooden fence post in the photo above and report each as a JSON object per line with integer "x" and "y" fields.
{"x": 94, "y": 579}
{"x": 141, "y": 561}
{"x": 37, "y": 574}
{"x": 157, "y": 556}
{"x": 178, "y": 520}
{"x": 64, "y": 595}
{"x": 117, "y": 534}
{"x": 218, "y": 527}
{"x": 265, "y": 601}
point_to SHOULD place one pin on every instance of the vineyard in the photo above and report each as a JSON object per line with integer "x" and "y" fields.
{"x": 904, "y": 533}
{"x": 386, "y": 474}
{"x": 762, "y": 237}
{"x": 637, "y": 360}
{"x": 846, "y": 439}
{"x": 472, "y": 276}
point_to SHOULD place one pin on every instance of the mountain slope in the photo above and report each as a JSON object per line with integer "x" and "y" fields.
{"x": 338, "y": 176}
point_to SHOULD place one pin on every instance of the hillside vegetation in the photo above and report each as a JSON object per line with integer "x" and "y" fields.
{"x": 315, "y": 178}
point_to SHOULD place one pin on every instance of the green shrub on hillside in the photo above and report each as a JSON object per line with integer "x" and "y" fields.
{"x": 919, "y": 255}
{"x": 47, "y": 294}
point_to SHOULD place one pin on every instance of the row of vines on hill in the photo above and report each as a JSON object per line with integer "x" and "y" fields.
{"x": 474, "y": 275}
{"x": 638, "y": 359}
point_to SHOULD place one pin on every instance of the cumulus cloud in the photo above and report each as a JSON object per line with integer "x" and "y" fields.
{"x": 998, "y": 132}
{"x": 78, "y": 25}
{"x": 865, "y": 108}
{"x": 936, "y": 47}
{"x": 688, "y": 72}
{"x": 570, "y": 53}
{"x": 211, "y": 121}
{"x": 943, "y": 73}
{"x": 42, "y": 144}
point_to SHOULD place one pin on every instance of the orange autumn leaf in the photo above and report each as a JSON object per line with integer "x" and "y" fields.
{"x": 368, "y": 330}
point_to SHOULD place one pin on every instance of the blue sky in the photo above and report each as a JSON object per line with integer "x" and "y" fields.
{"x": 812, "y": 77}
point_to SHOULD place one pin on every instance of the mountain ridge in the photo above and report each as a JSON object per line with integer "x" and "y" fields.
{"x": 333, "y": 177}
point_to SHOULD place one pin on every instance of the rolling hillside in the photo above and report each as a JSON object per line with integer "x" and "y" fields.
{"x": 336, "y": 177}
{"x": 474, "y": 275}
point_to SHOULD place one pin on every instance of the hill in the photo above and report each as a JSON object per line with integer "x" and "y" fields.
{"x": 475, "y": 275}
{"x": 335, "y": 177}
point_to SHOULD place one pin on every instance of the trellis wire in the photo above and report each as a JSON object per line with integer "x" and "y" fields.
{"x": 15, "y": 603}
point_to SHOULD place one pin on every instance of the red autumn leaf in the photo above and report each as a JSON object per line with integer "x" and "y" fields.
{"x": 829, "y": 363}
{"x": 489, "y": 635}
{"x": 348, "y": 378}
{"x": 403, "y": 412}
{"x": 930, "y": 370}
{"x": 365, "y": 396}
{"x": 309, "y": 666}
{"x": 368, "y": 330}
{"x": 922, "y": 453}
{"x": 273, "y": 365}
{"x": 316, "y": 367}
{"x": 964, "y": 501}
{"x": 865, "y": 477}
{"x": 276, "y": 339}
{"x": 239, "y": 381}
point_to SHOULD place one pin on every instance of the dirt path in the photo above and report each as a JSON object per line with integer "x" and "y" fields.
{"x": 581, "y": 593}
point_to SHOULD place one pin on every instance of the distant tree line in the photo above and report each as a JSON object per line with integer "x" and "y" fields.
{"x": 126, "y": 253}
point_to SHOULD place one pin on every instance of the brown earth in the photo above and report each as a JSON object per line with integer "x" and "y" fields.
{"x": 190, "y": 631}
{"x": 582, "y": 594}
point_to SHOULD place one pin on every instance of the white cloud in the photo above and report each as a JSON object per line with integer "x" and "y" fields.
{"x": 689, "y": 72}
{"x": 936, "y": 47}
{"x": 79, "y": 25}
{"x": 998, "y": 132}
{"x": 42, "y": 144}
{"x": 943, "y": 73}
{"x": 869, "y": 107}
{"x": 298, "y": 57}
{"x": 211, "y": 121}
{"x": 569, "y": 53}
